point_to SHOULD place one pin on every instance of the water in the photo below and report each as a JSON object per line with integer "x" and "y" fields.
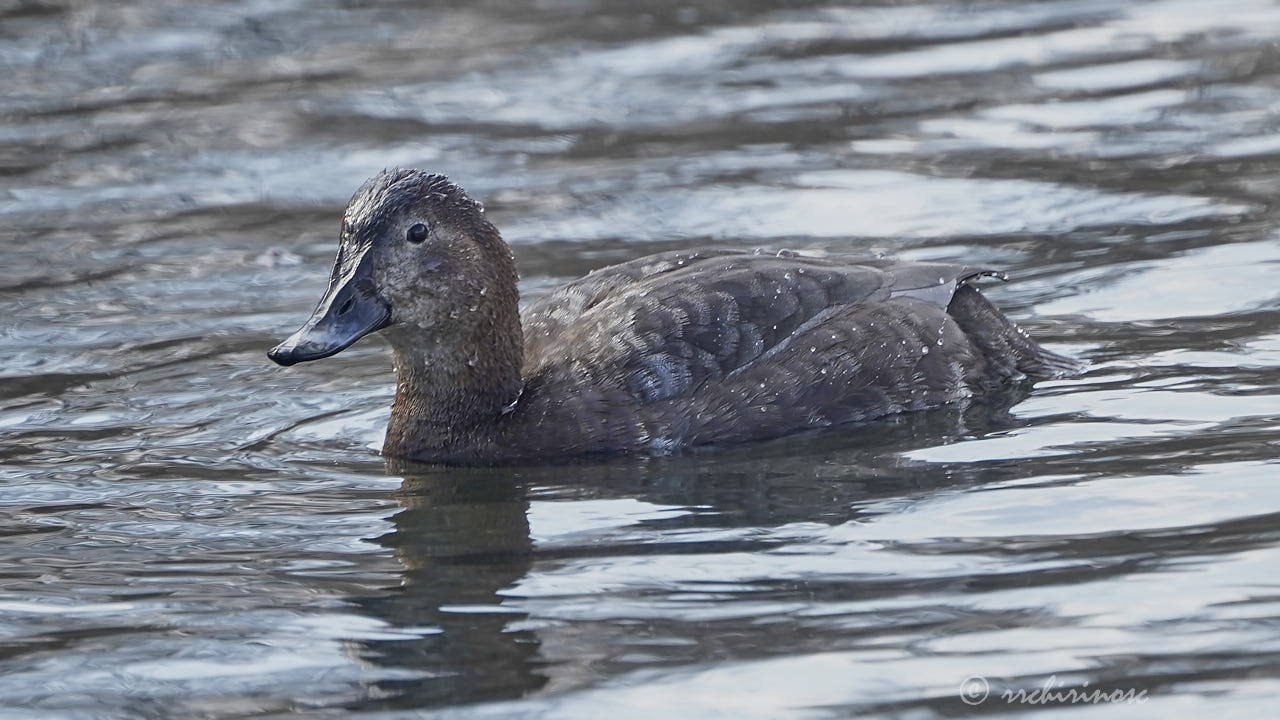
{"x": 188, "y": 531}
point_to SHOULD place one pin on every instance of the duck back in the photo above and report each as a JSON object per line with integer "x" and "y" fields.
{"x": 687, "y": 348}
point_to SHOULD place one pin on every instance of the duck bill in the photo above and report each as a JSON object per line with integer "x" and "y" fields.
{"x": 348, "y": 311}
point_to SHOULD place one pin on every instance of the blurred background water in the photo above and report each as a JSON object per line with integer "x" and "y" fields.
{"x": 188, "y": 531}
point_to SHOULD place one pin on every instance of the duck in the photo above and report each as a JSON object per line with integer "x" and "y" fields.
{"x": 651, "y": 356}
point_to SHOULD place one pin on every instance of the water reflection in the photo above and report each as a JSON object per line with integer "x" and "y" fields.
{"x": 501, "y": 565}
{"x": 463, "y": 538}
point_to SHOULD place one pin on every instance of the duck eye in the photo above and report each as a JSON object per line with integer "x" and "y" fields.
{"x": 417, "y": 233}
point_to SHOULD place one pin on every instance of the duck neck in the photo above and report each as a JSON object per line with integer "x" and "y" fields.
{"x": 454, "y": 383}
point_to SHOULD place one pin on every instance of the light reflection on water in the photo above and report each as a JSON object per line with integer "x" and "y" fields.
{"x": 190, "y": 532}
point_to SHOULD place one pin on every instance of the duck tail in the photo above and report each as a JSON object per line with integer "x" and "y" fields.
{"x": 1004, "y": 343}
{"x": 1044, "y": 364}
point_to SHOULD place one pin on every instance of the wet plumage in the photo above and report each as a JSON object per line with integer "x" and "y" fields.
{"x": 671, "y": 350}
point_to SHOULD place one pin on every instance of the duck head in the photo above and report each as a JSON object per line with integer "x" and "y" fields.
{"x": 416, "y": 257}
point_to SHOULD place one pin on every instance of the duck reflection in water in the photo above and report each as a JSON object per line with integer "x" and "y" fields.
{"x": 465, "y": 540}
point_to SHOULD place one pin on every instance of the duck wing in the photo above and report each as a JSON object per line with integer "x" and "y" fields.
{"x": 662, "y": 327}
{"x": 546, "y": 318}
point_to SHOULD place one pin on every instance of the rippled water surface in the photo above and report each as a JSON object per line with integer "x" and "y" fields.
{"x": 188, "y": 531}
